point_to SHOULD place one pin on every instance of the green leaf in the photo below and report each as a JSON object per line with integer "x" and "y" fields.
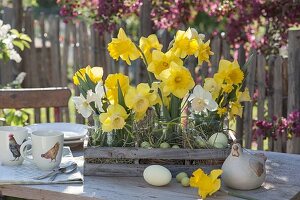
{"x": 25, "y": 37}
{"x": 26, "y": 44}
{"x": 166, "y": 114}
{"x": 175, "y": 107}
{"x": 90, "y": 83}
{"x": 18, "y": 44}
{"x": 83, "y": 85}
{"x": 121, "y": 99}
{"x": 15, "y": 32}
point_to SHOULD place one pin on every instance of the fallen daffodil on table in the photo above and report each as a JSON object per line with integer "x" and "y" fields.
{"x": 206, "y": 184}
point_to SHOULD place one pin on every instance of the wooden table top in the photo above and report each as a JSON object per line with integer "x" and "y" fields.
{"x": 283, "y": 182}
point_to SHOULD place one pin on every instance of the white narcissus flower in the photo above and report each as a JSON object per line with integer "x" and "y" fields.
{"x": 13, "y": 55}
{"x": 98, "y": 95}
{"x": 83, "y": 105}
{"x": 201, "y": 100}
{"x": 4, "y": 29}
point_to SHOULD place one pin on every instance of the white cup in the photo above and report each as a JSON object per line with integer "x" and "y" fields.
{"x": 46, "y": 149}
{"x": 11, "y": 138}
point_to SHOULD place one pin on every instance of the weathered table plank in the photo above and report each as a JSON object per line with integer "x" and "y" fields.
{"x": 283, "y": 175}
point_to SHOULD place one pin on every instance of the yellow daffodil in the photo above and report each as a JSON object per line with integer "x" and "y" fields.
{"x": 114, "y": 118}
{"x": 227, "y": 87}
{"x": 177, "y": 80}
{"x": 139, "y": 99}
{"x": 111, "y": 85}
{"x": 229, "y": 72}
{"x": 212, "y": 86}
{"x": 243, "y": 96}
{"x": 221, "y": 111}
{"x": 123, "y": 47}
{"x": 206, "y": 184}
{"x": 94, "y": 73}
{"x": 186, "y": 43}
{"x": 204, "y": 52}
{"x": 235, "y": 109}
{"x": 161, "y": 61}
{"x": 79, "y": 74}
{"x": 148, "y": 44}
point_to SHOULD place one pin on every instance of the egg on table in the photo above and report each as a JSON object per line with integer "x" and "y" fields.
{"x": 157, "y": 175}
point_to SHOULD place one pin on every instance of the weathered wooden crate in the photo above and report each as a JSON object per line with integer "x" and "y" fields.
{"x": 119, "y": 161}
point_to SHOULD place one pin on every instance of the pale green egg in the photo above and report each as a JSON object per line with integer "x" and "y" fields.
{"x": 218, "y": 140}
{"x": 185, "y": 182}
{"x": 180, "y": 176}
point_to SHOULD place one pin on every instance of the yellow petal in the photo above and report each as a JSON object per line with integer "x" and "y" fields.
{"x": 224, "y": 65}
{"x": 245, "y": 96}
{"x": 214, "y": 174}
{"x": 215, "y": 187}
{"x": 143, "y": 88}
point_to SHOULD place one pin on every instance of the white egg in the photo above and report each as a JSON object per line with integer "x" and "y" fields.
{"x": 218, "y": 140}
{"x": 157, "y": 175}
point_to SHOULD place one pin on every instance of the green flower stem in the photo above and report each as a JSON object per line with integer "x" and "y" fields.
{"x": 235, "y": 194}
{"x": 150, "y": 78}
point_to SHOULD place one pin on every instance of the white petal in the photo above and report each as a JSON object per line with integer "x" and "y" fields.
{"x": 78, "y": 100}
{"x": 198, "y": 91}
{"x": 207, "y": 95}
{"x": 90, "y": 97}
{"x": 99, "y": 90}
{"x": 85, "y": 111}
{"x": 212, "y": 105}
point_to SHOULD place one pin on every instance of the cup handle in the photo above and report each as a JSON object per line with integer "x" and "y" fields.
{"x": 24, "y": 152}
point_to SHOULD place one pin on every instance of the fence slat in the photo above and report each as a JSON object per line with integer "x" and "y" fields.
{"x": 216, "y": 48}
{"x": 55, "y": 51}
{"x": 226, "y": 50}
{"x": 271, "y": 63}
{"x": 293, "y": 80}
{"x": 239, "y": 120}
{"x": 277, "y": 85}
{"x": 249, "y": 105}
{"x": 261, "y": 76}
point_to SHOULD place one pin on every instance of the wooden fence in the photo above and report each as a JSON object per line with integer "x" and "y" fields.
{"x": 60, "y": 49}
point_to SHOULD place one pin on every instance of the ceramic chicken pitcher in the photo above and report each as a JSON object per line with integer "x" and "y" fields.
{"x": 243, "y": 171}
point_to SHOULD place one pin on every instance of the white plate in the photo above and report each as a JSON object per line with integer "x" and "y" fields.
{"x": 71, "y": 131}
{"x": 73, "y": 141}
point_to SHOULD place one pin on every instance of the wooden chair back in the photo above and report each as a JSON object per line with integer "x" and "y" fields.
{"x": 36, "y": 98}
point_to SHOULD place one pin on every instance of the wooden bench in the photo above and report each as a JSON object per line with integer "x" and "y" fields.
{"x": 37, "y": 98}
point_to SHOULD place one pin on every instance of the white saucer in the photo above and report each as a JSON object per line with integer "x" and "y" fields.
{"x": 71, "y": 131}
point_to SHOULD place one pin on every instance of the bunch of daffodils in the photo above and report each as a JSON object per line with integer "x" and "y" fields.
{"x": 170, "y": 90}
{"x": 9, "y": 38}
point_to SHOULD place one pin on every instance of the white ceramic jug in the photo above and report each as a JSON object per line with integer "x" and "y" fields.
{"x": 242, "y": 170}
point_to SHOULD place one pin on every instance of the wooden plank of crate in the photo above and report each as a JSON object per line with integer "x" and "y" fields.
{"x": 140, "y": 153}
{"x": 91, "y": 169}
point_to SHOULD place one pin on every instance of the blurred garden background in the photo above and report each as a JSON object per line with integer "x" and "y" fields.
{"x": 70, "y": 34}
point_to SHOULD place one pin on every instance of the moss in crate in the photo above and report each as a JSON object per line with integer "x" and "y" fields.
{"x": 109, "y": 160}
{"x": 207, "y": 162}
{"x": 161, "y": 162}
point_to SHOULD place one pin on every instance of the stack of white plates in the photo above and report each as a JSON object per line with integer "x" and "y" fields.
{"x": 73, "y": 133}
